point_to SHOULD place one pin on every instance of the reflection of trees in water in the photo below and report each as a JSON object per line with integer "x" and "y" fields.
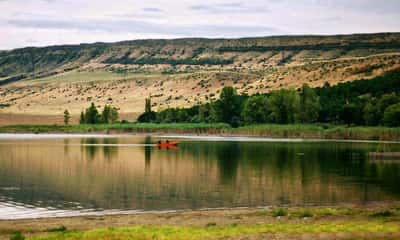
{"x": 110, "y": 151}
{"x": 91, "y": 147}
{"x": 147, "y": 154}
{"x": 88, "y": 146}
{"x": 66, "y": 146}
{"x": 386, "y": 173}
{"x": 309, "y": 163}
{"x": 203, "y": 174}
{"x": 228, "y": 155}
{"x": 385, "y": 147}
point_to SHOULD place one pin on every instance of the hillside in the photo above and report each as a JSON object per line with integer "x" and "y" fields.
{"x": 42, "y": 82}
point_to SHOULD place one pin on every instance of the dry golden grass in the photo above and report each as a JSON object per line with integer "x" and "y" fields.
{"x": 126, "y": 86}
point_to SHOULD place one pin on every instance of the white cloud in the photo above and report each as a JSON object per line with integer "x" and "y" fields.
{"x": 44, "y": 22}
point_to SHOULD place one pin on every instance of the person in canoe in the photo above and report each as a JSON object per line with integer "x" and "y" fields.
{"x": 166, "y": 144}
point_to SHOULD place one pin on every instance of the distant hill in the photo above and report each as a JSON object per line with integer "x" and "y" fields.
{"x": 183, "y": 72}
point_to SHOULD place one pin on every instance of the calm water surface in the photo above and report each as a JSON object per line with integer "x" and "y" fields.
{"x": 64, "y": 175}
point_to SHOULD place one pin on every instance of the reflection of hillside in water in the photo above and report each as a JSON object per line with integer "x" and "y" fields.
{"x": 96, "y": 173}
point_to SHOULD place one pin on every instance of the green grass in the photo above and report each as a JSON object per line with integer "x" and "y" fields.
{"x": 214, "y": 232}
{"x": 385, "y": 213}
{"x": 280, "y": 130}
{"x": 306, "y": 214}
{"x": 322, "y": 131}
{"x": 294, "y": 221}
{"x": 58, "y": 229}
{"x": 318, "y": 212}
{"x": 17, "y": 236}
{"x": 119, "y": 127}
{"x": 368, "y": 133}
{"x": 280, "y": 212}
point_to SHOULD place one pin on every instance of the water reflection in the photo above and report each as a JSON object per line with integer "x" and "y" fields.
{"x": 147, "y": 153}
{"x": 110, "y": 150}
{"x": 228, "y": 155}
{"x": 88, "y": 145}
{"x": 130, "y": 173}
{"x": 92, "y": 146}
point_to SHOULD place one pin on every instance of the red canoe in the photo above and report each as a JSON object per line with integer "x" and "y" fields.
{"x": 167, "y": 144}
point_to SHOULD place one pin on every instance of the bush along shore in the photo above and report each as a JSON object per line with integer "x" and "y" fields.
{"x": 306, "y": 131}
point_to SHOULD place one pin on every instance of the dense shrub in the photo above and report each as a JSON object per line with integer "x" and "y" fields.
{"x": 392, "y": 116}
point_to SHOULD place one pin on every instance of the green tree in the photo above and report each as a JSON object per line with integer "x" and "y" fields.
{"x": 214, "y": 112}
{"x": 392, "y": 116}
{"x": 284, "y": 106}
{"x": 67, "y": 117}
{"x": 204, "y": 114}
{"x": 109, "y": 114}
{"x": 309, "y": 105}
{"x": 147, "y": 107}
{"x": 105, "y": 114}
{"x": 386, "y": 101}
{"x": 228, "y": 105}
{"x": 255, "y": 110}
{"x": 371, "y": 115}
{"x": 92, "y": 115}
{"x": 349, "y": 113}
{"x": 182, "y": 115}
{"x": 170, "y": 115}
{"x": 82, "y": 118}
{"x": 148, "y": 115}
{"x": 114, "y": 115}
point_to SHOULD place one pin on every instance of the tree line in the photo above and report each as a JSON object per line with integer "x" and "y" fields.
{"x": 364, "y": 102}
{"x": 91, "y": 115}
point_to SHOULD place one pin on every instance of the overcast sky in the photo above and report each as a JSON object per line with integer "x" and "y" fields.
{"x": 48, "y": 22}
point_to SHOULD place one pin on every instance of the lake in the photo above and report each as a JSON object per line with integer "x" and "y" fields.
{"x": 68, "y": 175}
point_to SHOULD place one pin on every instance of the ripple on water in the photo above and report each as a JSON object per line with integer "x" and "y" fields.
{"x": 10, "y": 189}
{"x": 10, "y": 212}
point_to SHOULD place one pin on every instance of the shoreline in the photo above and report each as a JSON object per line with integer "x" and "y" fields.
{"x": 273, "y": 131}
{"x": 384, "y": 217}
{"x": 188, "y": 136}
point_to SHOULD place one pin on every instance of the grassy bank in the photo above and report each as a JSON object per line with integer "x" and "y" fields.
{"x": 284, "y": 223}
{"x": 186, "y": 233}
{"x": 322, "y": 131}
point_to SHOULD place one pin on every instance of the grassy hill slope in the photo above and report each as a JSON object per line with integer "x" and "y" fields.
{"x": 182, "y": 72}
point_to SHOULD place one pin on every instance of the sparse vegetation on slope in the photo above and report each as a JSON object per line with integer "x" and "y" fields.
{"x": 183, "y": 72}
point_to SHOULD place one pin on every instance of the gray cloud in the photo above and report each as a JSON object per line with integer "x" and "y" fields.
{"x": 47, "y": 1}
{"x": 364, "y": 6}
{"x": 43, "y": 22}
{"x": 152, "y": 9}
{"x": 135, "y": 26}
{"x": 235, "y": 7}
